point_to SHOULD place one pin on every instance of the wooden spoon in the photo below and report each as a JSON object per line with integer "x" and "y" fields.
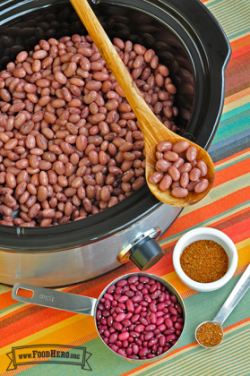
{"x": 153, "y": 130}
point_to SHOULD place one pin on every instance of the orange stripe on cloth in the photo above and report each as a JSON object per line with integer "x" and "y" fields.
{"x": 237, "y": 324}
{"x": 235, "y": 226}
{"x": 239, "y": 81}
{"x": 240, "y": 43}
{"x": 17, "y": 311}
{"x": 50, "y": 317}
{"x": 84, "y": 289}
{"x": 16, "y": 325}
{"x": 238, "y": 65}
{"x": 234, "y": 97}
{"x": 221, "y": 225}
{"x": 240, "y": 51}
{"x": 239, "y": 231}
{"x": 215, "y": 208}
{"x": 238, "y": 62}
{"x": 38, "y": 319}
{"x": 232, "y": 172}
{"x": 237, "y": 84}
{"x": 206, "y": 212}
{"x": 6, "y": 300}
{"x": 242, "y": 213}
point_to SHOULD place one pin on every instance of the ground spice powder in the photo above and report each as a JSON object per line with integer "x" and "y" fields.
{"x": 209, "y": 334}
{"x": 204, "y": 261}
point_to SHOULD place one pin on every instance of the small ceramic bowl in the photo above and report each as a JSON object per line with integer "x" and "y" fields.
{"x": 205, "y": 233}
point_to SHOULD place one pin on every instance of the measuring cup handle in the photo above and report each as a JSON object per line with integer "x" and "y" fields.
{"x": 237, "y": 293}
{"x": 55, "y": 299}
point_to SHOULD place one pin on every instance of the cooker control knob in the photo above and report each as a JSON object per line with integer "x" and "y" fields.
{"x": 143, "y": 251}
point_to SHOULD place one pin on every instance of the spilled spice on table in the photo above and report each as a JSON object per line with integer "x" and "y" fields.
{"x": 209, "y": 334}
{"x": 204, "y": 261}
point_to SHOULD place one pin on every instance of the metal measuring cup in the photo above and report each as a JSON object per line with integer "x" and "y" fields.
{"x": 233, "y": 299}
{"x": 88, "y": 306}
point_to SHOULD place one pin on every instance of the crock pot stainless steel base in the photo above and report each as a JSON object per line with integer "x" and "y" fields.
{"x": 60, "y": 268}
{"x": 194, "y": 47}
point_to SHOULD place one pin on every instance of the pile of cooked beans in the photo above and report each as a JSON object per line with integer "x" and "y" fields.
{"x": 70, "y": 145}
{"x": 138, "y": 318}
{"x": 178, "y": 170}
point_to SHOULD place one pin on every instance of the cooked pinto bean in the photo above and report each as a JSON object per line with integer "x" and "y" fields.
{"x": 70, "y": 145}
{"x": 184, "y": 172}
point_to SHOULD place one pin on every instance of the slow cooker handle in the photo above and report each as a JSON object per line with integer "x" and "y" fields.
{"x": 55, "y": 299}
{"x": 143, "y": 251}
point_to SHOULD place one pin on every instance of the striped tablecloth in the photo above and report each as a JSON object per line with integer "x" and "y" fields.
{"x": 226, "y": 208}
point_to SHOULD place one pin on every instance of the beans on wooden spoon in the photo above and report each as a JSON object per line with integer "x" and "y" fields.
{"x": 153, "y": 130}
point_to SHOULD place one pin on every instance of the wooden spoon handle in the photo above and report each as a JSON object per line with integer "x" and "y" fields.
{"x": 142, "y": 112}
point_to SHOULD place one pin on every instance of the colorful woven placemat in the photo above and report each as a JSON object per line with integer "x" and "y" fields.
{"x": 226, "y": 208}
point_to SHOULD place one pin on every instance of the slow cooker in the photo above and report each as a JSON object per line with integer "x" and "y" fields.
{"x": 189, "y": 40}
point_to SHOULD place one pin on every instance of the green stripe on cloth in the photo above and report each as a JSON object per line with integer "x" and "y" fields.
{"x": 234, "y": 162}
{"x": 207, "y": 222}
{"x": 236, "y": 111}
{"x": 227, "y": 360}
{"x": 233, "y": 125}
{"x": 217, "y": 193}
{"x": 232, "y": 15}
{"x": 16, "y": 305}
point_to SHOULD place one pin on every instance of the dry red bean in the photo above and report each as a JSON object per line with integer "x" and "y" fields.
{"x": 114, "y": 324}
